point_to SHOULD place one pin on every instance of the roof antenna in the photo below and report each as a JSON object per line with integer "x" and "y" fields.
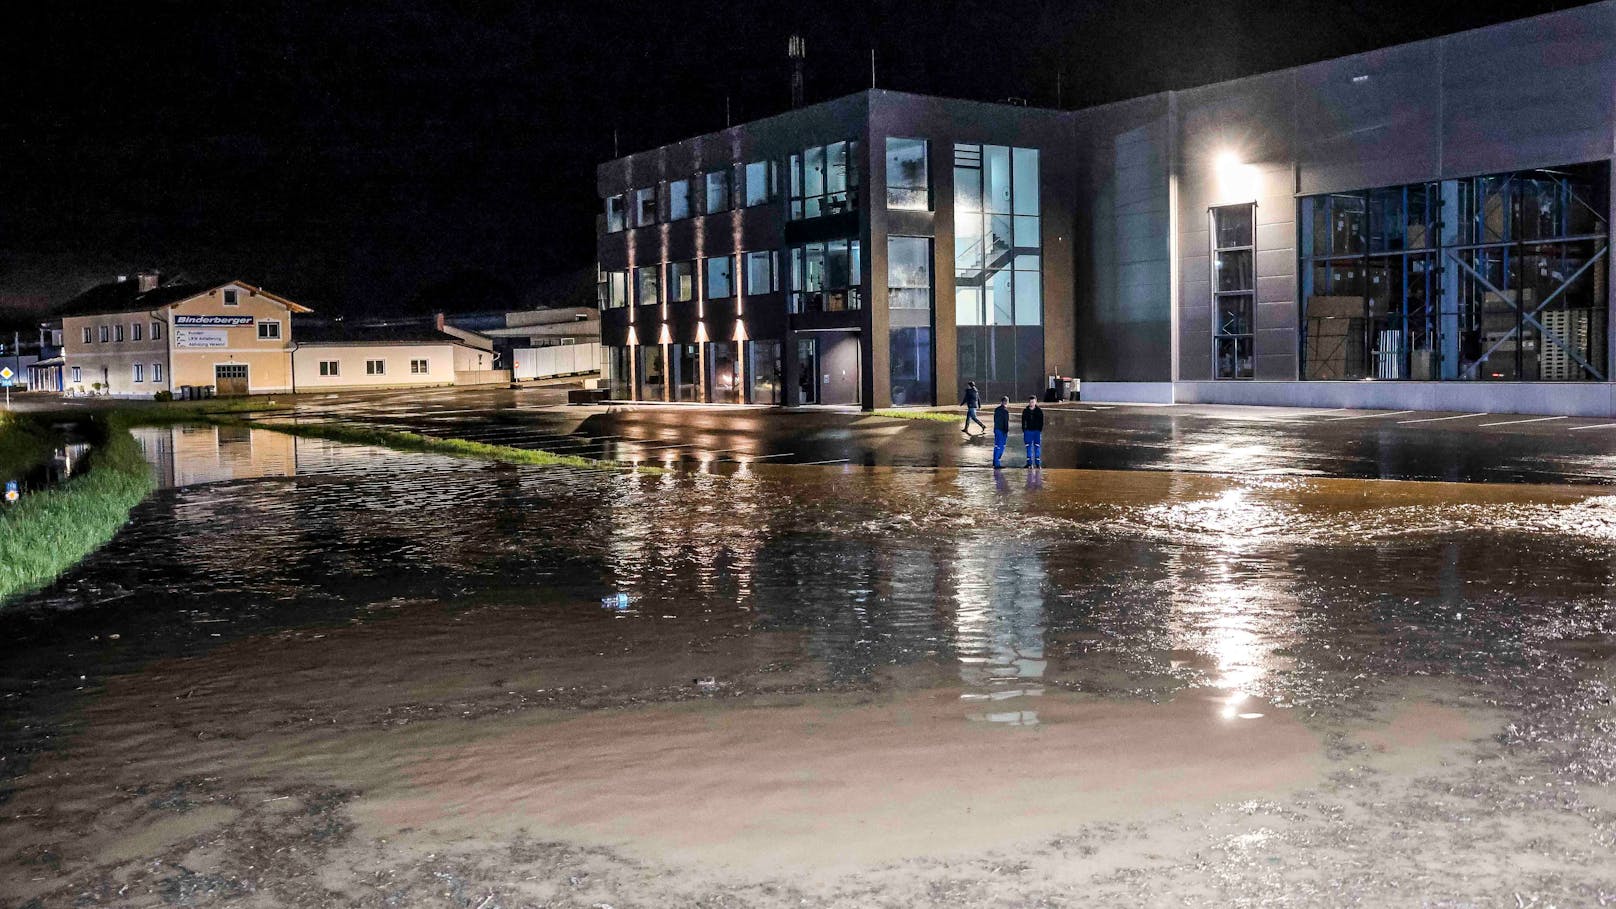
{"x": 615, "y": 155}
{"x": 726, "y": 112}
{"x": 797, "y": 50}
{"x": 872, "y": 67}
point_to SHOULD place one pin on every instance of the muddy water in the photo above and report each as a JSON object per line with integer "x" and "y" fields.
{"x": 676, "y": 686}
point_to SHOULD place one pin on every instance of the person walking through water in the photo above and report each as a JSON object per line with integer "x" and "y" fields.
{"x": 972, "y": 402}
{"x": 1001, "y": 430}
{"x": 1032, "y": 432}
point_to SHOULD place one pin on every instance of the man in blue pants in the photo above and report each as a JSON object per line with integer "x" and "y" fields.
{"x": 1032, "y": 432}
{"x": 972, "y": 401}
{"x": 1001, "y": 430}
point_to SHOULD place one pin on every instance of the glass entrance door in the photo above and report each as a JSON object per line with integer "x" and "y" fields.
{"x": 807, "y": 387}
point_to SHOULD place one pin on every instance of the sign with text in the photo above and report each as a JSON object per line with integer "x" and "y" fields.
{"x": 201, "y": 337}
{"x": 213, "y": 321}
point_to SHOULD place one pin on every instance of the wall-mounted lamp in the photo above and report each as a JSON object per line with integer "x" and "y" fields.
{"x": 1237, "y": 181}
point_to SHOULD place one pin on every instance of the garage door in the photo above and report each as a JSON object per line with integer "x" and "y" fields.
{"x": 230, "y": 379}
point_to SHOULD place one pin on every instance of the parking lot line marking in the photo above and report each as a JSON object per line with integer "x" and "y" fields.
{"x": 1594, "y": 426}
{"x": 812, "y": 463}
{"x": 1515, "y": 422}
{"x": 1365, "y": 416}
{"x": 1460, "y": 416}
{"x": 1315, "y": 413}
{"x": 782, "y": 454}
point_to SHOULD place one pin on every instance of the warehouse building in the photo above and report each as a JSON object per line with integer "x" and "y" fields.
{"x": 1425, "y": 226}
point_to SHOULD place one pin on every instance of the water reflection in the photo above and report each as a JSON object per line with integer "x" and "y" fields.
{"x": 999, "y": 598}
{"x": 186, "y": 455}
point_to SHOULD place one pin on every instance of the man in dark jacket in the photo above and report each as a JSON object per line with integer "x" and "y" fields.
{"x": 972, "y": 402}
{"x": 1001, "y": 430}
{"x": 1032, "y": 432}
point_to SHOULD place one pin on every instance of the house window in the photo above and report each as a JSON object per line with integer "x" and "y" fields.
{"x": 157, "y": 331}
{"x": 679, "y": 199}
{"x": 645, "y": 207}
{"x": 78, "y": 372}
{"x": 681, "y": 282}
{"x": 269, "y": 331}
{"x": 157, "y": 372}
{"x": 616, "y": 213}
{"x": 720, "y": 277}
{"x": 140, "y": 372}
{"x": 87, "y": 336}
{"x": 824, "y": 180}
{"x": 134, "y": 331}
{"x": 761, "y": 272}
{"x": 1233, "y": 290}
{"x": 375, "y": 367}
{"x": 908, "y": 184}
{"x": 106, "y": 334}
{"x": 647, "y": 286}
{"x": 329, "y": 368}
{"x": 419, "y": 368}
{"x": 117, "y": 332}
{"x": 718, "y": 191}
{"x": 230, "y": 297}
{"x": 760, "y": 183}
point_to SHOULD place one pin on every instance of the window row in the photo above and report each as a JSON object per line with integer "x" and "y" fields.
{"x": 137, "y": 372}
{"x": 675, "y": 282}
{"x": 418, "y": 367}
{"x": 113, "y": 333}
{"x": 720, "y": 372}
{"x": 741, "y": 186}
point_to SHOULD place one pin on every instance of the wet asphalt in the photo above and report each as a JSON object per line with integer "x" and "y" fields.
{"x": 1263, "y": 441}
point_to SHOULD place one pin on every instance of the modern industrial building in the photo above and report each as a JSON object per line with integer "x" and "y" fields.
{"x": 1423, "y": 227}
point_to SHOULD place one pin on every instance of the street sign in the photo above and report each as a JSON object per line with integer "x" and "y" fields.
{"x": 5, "y": 372}
{"x": 11, "y": 491}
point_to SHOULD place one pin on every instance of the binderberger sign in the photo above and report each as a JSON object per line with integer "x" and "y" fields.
{"x": 212, "y": 321}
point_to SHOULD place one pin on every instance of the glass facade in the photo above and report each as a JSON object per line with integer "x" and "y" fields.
{"x": 720, "y": 277}
{"x": 717, "y": 191}
{"x": 619, "y": 376}
{"x": 681, "y": 199}
{"x": 761, "y": 272}
{"x": 909, "y": 305}
{"x": 824, "y": 180}
{"x": 763, "y": 366}
{"x": 647, "y": 285}
{"x": 759, "y": 182}
{"x": 825, "y": 277}
{"x": 1501, "y": 277}
{"x": 723, "y": 378}
{"x": 998, "y": 270}
{"x": 1234, "y": 290}
{"x": 652, "y": 373}
{"x": 612, "y": 288}
{"x": 908, "y": 182}
{"x": 616, "y": 213}
{"x": 681, "y": 282}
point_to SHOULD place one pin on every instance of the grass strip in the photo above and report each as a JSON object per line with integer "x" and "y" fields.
{"x": 48, "y": 532}
{"x": 411, "y": 441}
{"x": 25, "y": 443}
{"x": 932, "y": 415}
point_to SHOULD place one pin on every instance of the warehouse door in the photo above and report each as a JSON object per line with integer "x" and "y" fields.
{"x": 230, "y": 378}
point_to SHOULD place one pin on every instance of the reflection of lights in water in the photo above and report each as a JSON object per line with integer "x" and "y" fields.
{"x": 999, "y": 625}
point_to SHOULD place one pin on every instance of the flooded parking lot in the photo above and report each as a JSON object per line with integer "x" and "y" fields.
{"x": 312, "y": 674}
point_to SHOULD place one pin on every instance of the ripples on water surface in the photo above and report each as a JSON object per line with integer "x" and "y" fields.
{"x": 1297, "y": 591}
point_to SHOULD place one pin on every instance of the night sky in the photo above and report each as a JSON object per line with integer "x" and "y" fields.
{"x": 357, "y": 156}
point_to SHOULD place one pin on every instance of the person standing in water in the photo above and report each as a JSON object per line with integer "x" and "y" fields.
{"x": 972, "y": 402}
{"x": 1032, "y": 432}
{"x": 1001, "y": 430}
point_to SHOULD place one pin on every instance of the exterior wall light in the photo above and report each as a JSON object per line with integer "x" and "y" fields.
{"x": 1237, "y": 181}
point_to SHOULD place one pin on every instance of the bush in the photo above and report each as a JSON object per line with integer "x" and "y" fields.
{"x": 164, "y": 395}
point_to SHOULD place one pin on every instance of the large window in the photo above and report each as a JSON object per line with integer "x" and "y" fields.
{"x": 645, "y": 207}
{"x": 680, "y": 198}
{"x": 908, "y": 185}
{"x": 759, "y": 181}
{"x": 825, "y": 276}
{"x": 909, "y": 305}
{"x": 1499, "y": 277}
{"x": 763, "y": 369}
{"x": 681, "y": 282}
{"x": 998, "y": 269}
{"x": 762, "y": 273}
{"x": 717, "y": 191}
{"x": 1234, "y": 287}
{"x": 619, "y": 373}
{"x": 824, "y": 180}
{"x": 720, "y": 277}
{"x": 616, "y": 213}
{"x": 647, "y": 285}
{"x": 723, "y": 373}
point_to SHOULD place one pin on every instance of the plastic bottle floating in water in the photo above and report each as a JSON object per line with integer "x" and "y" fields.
{"x": 617, "y": 602}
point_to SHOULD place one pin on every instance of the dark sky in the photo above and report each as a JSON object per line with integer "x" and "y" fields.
{"x": 348, "y": 154}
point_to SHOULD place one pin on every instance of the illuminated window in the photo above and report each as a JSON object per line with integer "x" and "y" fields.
{"x": 679, "y": 199}
{"x": 824, "y": 180}
{"x": 826, "y": 277}
{"x": 908, "y": 184}
{"x": 762, "y": 274}
{"x": 760, "y": 180}
{"x": 616, "y": 216}
{"x": 717, "y": 191}
{"x": 998, "y": 270}
{"x": 645, "y": 207}
{"x": 648, "y": 285}
{"x": 613, "y": 288}
{"x": 681, "y": 282}
{"x": 720, "y": 277}
{"x": 1234, "y": 287}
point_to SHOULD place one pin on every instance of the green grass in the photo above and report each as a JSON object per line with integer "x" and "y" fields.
{"x": 932, "y": 415}
{"x": 26, "y": 442}
{"x": 410, "y": 441}
{"x": 48, "y": 532}
{"x": 159, "y": 413}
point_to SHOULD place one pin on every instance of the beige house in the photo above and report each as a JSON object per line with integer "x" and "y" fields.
{"x": 346, "y": 365}
{"x": 135, "y": 337}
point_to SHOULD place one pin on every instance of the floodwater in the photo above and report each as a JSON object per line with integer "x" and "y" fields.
{"x": 312, "y": 674}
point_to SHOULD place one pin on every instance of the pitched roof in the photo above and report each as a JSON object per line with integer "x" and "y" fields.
{"x": 126, "y": 296}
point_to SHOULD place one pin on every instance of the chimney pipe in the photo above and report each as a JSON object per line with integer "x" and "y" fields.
{"x": 148, "y": 280}
{"x": 797, "y": 50}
